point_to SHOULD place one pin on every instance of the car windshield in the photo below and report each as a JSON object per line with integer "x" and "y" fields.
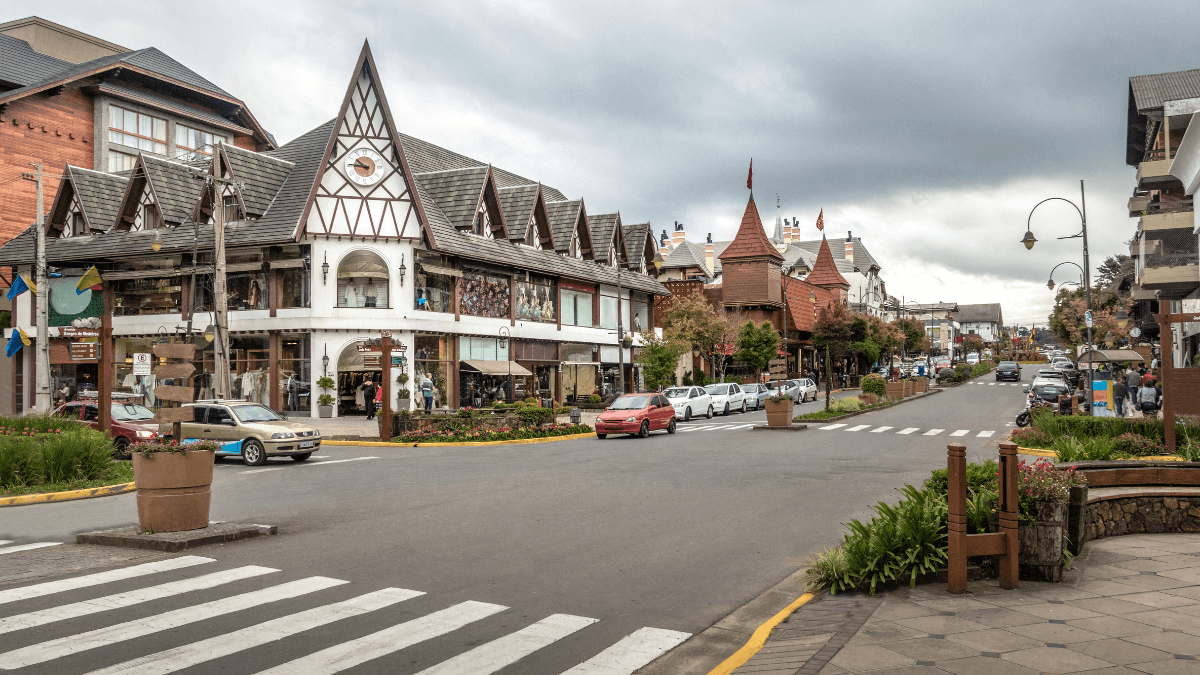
{"x": 677, "y": 392}
{"x": 255, "y": 413}
{"x": 715, "y": 389}
{"x": 629, "y": 403}
{"x": 131, "y": 412}
{"x": 1049, "y": 393}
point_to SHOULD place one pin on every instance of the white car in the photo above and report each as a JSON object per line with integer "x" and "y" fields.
{"x": 808, "y": 390}
{"x": 973, "y": 358}
{"x": 689, "y": 402}
{"x": 1050, "y": 376}
{"x": 727, "y": 397}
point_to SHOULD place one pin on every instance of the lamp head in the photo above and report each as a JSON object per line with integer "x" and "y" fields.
{"x": 156, "y": 242}
{"x": 210, "y": 333}
{"x": 1029, "y": 240}
{"x": 1050, "y": 284}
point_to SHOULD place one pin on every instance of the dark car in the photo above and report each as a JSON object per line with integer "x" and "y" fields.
{"x": 1008, "y": 370}
{"x": 131, "y": 423}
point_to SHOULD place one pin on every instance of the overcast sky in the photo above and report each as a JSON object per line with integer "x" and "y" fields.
{"x": 928, "y": 129}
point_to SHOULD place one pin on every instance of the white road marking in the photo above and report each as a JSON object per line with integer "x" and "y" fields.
{"x": 387, "y": 641}
{"x": 5, "y": 541}
{"x": 880, "y": 430}
{"x": 860, "y": 427}
{"x": 494, "y": 655}
{"x": 908, "y": 430}
{"x": 990, "y": 384}
{"x": 336, "y": 461}
{"x": 832, "y": 426}
{"x": 742, "y": 426}
{"x": 129, "y": 598}
{"x": 112, "y": 634}
{"x": 631, "y": 652}
{"x": 933, "y": 432}
{"x": 196, "y": 653}
{"x": 50, "y": 587}
{"x": 28, "y": 547}
{"x": 961, "y": 432}
{"x": 984, "y": 434}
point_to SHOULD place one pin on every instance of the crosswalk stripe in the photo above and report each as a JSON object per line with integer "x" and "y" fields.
{"x": 961, "y": 432}
{"x": 490, "y": 657}
{"x": 990, "y": 384}
{"x": 203, "y": 651}
{"x": 50, "y": 587}
{"x": 832, "y": 426}
{"x": 632, "y": 652}
{"x": 984, "y": 434}
{"x": 933, "y": 432}
{"x": 908, "y": 430}
{"x": 860, "y": 427}
{"x": 369, "y": 647}
{"x": 101, "y": 637}
{"x": 78, "y": 609}
{"x": 28, "y": 547}
{"x": 880, "y": 430}
{"x": 335, "y": 461}
{"x": 741, "y": 426}
{"x": 5, "y": 541}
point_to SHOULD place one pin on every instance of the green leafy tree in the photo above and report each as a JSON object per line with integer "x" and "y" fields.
{"x": 692, "y": 322}
{"x": 659, "y": 358}
{"x": 832, "y": 333}
{"x": 757, "y": 346}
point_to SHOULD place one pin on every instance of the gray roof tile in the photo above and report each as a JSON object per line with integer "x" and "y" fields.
{"x": 260, "y": 175}
{"x": 457, "y": 192}
{"x": 99, "y": 195}
{"x": 176, "y": 185}
{"x": 21, "y": 66}
{"x": 425, "y": 157}
{"x": 563, "y": 216}
{"x": 1150, "y": 91}
{"x": 517, "y": 203}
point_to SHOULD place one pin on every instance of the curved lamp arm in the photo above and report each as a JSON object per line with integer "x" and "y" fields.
{"x": 1029, "y": 240}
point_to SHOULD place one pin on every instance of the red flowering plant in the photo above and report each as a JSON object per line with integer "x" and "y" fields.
{"x": 1031, "y": 437}
{"x": 1040, "y": 481}
{"x": 502, "y": 434}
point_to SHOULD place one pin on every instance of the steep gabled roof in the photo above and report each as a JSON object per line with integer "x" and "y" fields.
{"x": 800, "y": 308}
{"x": 176, "y": 186}
{"x": 825, "y": 272}
{"x": 457, "y": 192}
{"x": 639, "y": 242}
{"x": 685, "y": 255}
{"x": 258, "y": 175}
{"x": 1150, "y": 91}
{"x": 97, "y": 193}
{"x": 425, "y": 157}
{"x": 979, "y": 313}
{"x": 605, "y": 231}
{"x": 20, "y": 66}
{"x": 863, "y": 259}
{"x": 751, "y": 240}
{"x": 564, "y": 215}
{"x": 518, "y": 202}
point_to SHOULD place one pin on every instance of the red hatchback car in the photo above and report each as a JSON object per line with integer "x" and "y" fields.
{"x": 131, "y": 422}
{"x": 637, "y": 414}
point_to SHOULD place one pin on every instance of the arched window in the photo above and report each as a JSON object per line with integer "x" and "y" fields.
{"x": 362, "y": 281}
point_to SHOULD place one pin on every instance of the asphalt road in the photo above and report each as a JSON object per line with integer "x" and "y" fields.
{"x": 669, "y": 533}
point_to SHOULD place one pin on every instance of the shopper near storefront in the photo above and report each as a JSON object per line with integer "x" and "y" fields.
{"x": 369, "y": 392}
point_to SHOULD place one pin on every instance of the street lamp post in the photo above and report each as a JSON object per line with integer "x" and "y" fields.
{"x": 506, "y": 343}
{"x": 1029, "y": 240}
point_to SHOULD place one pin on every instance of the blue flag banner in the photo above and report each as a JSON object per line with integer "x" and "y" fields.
{"x": 18, "y": 340}
{"x": 19, "y": 286}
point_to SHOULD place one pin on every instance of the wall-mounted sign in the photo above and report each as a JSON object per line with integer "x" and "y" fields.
{"x": 85, "y": 351}
{"x": 73, "y": 332}
{"x": 141, "y": 363}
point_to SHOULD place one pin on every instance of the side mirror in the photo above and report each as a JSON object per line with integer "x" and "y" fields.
{"x": 229, "y": 423}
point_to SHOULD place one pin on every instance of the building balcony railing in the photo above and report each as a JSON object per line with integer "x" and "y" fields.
{"x": 1168, "y": 260}
{"x": 1157, "y": 221}
{"x": 1178, "y": 206}
{"x": 1155, "y": 174}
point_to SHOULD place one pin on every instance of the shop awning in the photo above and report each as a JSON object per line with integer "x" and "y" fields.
{"x": 1109, "y": 356}
{"x": 444, "y": 271}
{"x": 498, "y": 367}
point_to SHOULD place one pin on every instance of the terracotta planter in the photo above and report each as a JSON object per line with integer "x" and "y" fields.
{"x": 922, "y": 385}
{"x": 869, "y": 399}
{"x": 779, "y": 413}
{"x": 895, "y": 390}
{"x": 910, "y": 388}
{"x": 1041, "y": 544}
{"x": 173, "y": 490}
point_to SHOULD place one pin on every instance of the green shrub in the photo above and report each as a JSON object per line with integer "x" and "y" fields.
{"x": 78, "y": 454}
{"x": 1085, "y": 426}
{"x": 1071, "y": 449}
{"x": 945, "y": 375}
{"x": 466, "y": 412}
{"x": 874, "y": 384}
{"x": 498, "y": 404}
{"x": 18, "y": 461}
{"x": 847, "y": 405}
{"x": 1030, "y": 437}
{"x": 1135, "y": 445}
{"x": 594, "y": 400}
{"x": 535, "y": 417}
{"x": 907, "y": 538}
{"x": 823, "y": 567}
{"x": 531, "y": 401}
{"x": 980, "y": 478}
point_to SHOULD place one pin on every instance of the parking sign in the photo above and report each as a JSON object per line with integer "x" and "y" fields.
{"x": 141, "y": 363}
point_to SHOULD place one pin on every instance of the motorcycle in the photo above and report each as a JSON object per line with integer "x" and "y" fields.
{"x": 1025, "y": 417}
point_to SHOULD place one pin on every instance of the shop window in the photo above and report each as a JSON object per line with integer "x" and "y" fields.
{"x": 641, "y": 315}
{"x": 247, "y": 290}
{"x": 535, "y": 299}
{"x": 119, "y": 161}
{"x": 608, "y": 311}
{"x": 484, "y": 295}
{"x": 295, "y": 373}
{"x": 435, "y": 284}
{"x": 193, "y": 144}
{"x": 294, "y": 285}
{"x": 576, "y": 308}
{"x": 146, "y": 296}
{"x": 482, "y": 349}
{"x": 432, "y": 361}
{"x": 362, "y": 281}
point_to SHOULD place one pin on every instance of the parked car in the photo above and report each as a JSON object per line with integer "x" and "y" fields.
{"x": 789, "y": 388}
{"x": 808, "y": 390}
{"x": 942, "y": 363}
{"x": 1049, "y": 393}
{"x": 131, "y": 422}
{"x": 251, "y": 430}
{"x": 636, "y": 414}
{"x": 756, "y": 394}
{"x": 727, "y": 397}
{"x": 689, "y": 402}
{"x": 1008, "y": 370}
{"x": 1055, "y": 376}
{"x": 973, "y": 358}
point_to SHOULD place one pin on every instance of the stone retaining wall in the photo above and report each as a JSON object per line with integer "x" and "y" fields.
{"x": 1134, "y": 515}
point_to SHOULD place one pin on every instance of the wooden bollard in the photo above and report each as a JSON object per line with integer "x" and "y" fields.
{"x": 961, "y": 545}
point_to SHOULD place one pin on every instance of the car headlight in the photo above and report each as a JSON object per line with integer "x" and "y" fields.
{"x": 631, "y": 419}
{"x": 282, "y": 434}
{"x": 145, "y": 434}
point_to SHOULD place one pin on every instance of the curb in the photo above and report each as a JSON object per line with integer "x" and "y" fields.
{"x": 68, "y": 495}
{"x": 173, "y": 542}
{"x": 1038, "y": 452}
{"x": 758, "y": 639}
{"x": 810, "y": 420}
{"x": 516, "y": 441}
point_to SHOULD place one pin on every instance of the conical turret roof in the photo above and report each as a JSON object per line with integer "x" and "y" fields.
{"x": 751, "y": 240}
{"x": 825, "y": 272}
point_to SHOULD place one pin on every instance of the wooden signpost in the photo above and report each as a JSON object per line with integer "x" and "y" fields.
{"x": 178, "y": 366}
{"x": 385, "y": 361}
{"x": 962, "y": 545}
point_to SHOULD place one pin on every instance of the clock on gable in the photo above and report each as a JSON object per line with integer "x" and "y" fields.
{"x": 364, "y": 166}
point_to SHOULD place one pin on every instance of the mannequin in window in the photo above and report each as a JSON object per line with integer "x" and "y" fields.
{"x": 351, "y": 296}
{"x": 252, "y": 300}
{"x": 372, "y": 294}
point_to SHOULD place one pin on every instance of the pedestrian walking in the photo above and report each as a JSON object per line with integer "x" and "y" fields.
{"x": 1133, "y": 382}
{"x": 1148, "y": 399}
{"x": 369, "y": 392}
{"x": 1119, "y": 393}
{"x": 427, "y": 391}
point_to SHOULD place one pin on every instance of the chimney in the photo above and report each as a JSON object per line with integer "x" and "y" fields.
{"x": 849, "y": 248}
{"x": 678, "y": 236}
{"x": 709, "y": 258}
{"x": 787, "y": 230}
{"x": 665, "y": 239}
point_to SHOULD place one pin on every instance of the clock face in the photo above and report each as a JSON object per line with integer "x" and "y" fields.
{"x": 364, "y": 166}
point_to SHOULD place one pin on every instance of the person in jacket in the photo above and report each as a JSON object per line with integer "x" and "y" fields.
{"x": 427, "y": 391}
{"x": 1133, "y": 382}
{"x": 369, "y": 392}
{"x": 1149, "y": 399}
{"x": 1119, "y": 393}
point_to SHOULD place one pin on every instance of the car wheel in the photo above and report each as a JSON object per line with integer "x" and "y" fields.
{"x": 645, "y": 430}
{"x": 726, "y": 411}
{"x": 253, "y": 453}
{"x": 709, "y": 414}
{"x": 743, "y": 410}
{"x": 687, "y": 414}
{"x": 671, "y": 426}
{"x": 302, "y": 457}
{"x": 121, "y": 448}
{"x": 602, "y": 436}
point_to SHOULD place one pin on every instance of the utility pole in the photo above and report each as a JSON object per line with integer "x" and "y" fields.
{"x": 620, "y": 335}
{"x": 220, "y": 295}
{"x": 1087, "y": 290}
{"x": 41, "y": 401}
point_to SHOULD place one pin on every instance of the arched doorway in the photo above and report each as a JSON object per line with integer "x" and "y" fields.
{"x": 354, "y": 368}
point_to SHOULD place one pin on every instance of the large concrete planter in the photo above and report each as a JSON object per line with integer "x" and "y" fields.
{"x": 173, "y": 490}
{"x": 869, "y": 399}
{"x": 895, "y": 390}
{"x": 325, "y": 411}
{"x": 922, "y": 385}
{"x": 910, "y": 387}
{"x": 779, "y": 413}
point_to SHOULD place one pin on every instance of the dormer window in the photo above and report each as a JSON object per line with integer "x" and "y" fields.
{"x": 531, "y": 235}
{"x": 575, "y": 251}
{"x": 78, "y": 226}
{"x": 483, "y": 224}
{"x": 612, "y": 257}
{"x": 150, "y": 218}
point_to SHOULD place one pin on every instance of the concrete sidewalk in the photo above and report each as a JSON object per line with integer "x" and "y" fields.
{"x": 1130, "y": 604}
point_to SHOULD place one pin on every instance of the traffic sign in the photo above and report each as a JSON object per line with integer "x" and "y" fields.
{"x": 1087, "y": 318}
{"x": 141, "y": 363}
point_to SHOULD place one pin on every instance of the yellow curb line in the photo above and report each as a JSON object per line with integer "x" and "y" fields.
{"x": 68, "y": 495}
{"x": 517, "y": 441}
{"x": 1050, "y": 453}
{"x": 758, "y": 639}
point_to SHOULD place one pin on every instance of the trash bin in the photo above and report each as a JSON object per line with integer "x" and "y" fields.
{"x": 576, "y": 416}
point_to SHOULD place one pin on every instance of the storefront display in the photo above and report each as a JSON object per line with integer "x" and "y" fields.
{"x": 579, "y": 371}
{"x": 432, "y": 357}
{"x": 540, "y": 358}
{"x": 535, "y": 299}
{"x": 435, "y": 284}
{"x": 362, "y": 281}
{"x": 133, "y": 297}
{"x": 483, "y": 294}
{"x": 294, "y": 373}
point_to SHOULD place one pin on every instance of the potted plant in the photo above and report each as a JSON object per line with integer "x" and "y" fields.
{"x": 1042, "y": 529}
{"x": 173, "y": 484}
{"x": 779, "y": 408}
{"x": 402, "y": 393}
{"x": 325, "y": 401}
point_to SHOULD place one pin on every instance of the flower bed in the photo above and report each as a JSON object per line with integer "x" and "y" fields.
{"x": 499, "y": 434}
{"x": 48, "y": 454}
{"x": 1082, "y": 438}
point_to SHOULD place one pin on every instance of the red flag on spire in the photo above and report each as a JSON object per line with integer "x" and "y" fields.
{"x": 821, "y": 220}
{"x": 750, "y": 177}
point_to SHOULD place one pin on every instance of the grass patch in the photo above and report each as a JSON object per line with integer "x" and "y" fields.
{"x": 836, "y": 411}
{"x": 119, "y": 472}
